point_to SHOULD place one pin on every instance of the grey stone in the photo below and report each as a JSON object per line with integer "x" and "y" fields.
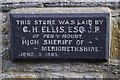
{"x": 18, "y": 75}
{"x": 1, "y": 42}
{"x": 75, "y": 75}
{"x": 8, "y": 1}
{"x": 1, "y": 56}
{"x": 9, "y": 6}
{"x": 45, "y": 69}
{"x": 1, "y": 22}
{"x": 62, "y": 10}
{"x": 14, "y": 4}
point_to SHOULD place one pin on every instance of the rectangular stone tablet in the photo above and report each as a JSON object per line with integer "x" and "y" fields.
{"x": 60, "y": 34}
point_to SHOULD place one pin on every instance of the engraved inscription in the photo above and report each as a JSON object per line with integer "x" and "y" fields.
{"x": 59, "y": 37}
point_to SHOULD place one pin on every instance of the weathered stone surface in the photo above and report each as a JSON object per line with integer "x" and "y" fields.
{"x": 61, "y": 10}
{"x": 74, "y": 75}
{"x": 1, "y": 53}
{"x": 18, "y": 75}
{"x": 1, "y": 42}
{"x": 43, "y": 68}
{"x": 7, "y": 1}
{"x": 9, "y": 5}
{"x": 56, "y": 69}
{"x": 1, "y": 22}
{"x": 62, "y": 69}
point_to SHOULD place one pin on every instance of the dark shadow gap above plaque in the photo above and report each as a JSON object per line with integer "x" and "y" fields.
{"x": 60, "y": 34}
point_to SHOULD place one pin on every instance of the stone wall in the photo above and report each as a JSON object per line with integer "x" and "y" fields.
{"x": 99, "y": 70}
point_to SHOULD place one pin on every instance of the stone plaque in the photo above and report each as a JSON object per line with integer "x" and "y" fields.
{"x": 60, "y": 36}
